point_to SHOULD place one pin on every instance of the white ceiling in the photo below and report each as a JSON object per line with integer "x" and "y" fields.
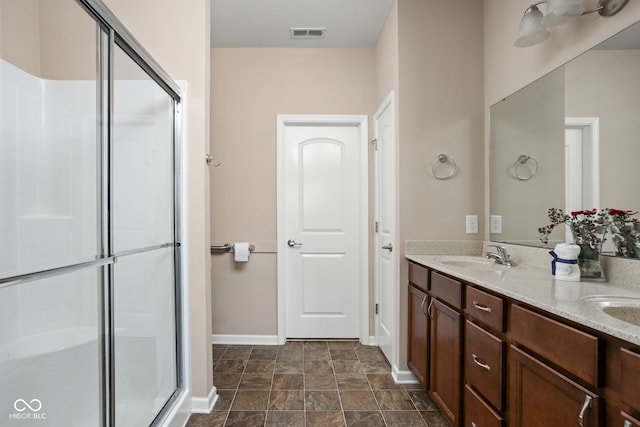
{"x": 266, "y": 23}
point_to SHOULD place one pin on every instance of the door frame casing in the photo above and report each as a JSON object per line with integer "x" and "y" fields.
{"x": 361, "y": 121}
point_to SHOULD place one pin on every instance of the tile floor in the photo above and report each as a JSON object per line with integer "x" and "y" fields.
{"x": 312, "y": 383}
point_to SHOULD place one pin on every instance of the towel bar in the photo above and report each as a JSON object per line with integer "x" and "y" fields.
{"x": 228, "y": 247}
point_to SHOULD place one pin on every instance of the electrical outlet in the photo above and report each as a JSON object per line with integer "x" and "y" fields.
{"x": 496, "y": 224}
{"x": 472, "y": 224}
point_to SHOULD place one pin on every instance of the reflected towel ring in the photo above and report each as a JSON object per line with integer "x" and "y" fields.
{"x": 523, "y": 159}
{"x": 443, "y": 158}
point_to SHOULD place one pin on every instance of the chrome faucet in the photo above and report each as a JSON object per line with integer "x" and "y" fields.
{"x": 500, "y": 257}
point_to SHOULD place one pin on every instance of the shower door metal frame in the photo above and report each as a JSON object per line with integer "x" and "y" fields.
{"x": 118, "y": 35}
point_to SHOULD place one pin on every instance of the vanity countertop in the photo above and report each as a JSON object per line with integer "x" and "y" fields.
{"x": 537, "y": 287}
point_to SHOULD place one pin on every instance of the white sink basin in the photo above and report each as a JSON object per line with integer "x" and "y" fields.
{"x": 475, "y": 264}
{"x": 622, "y": 308}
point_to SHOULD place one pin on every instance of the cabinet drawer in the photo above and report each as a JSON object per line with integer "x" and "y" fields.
{"x": 630, "y": 378}
{"x": 484, "y": 363}
{"x": 446, "y": 289}
{"x": 567, "y": 347}
{"x": 477, "y": 413}
{"x": 419, "y": 276}
{"x": 486, "y": 308}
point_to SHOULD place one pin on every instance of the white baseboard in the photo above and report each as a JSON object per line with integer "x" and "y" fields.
{"x": 204, "y": 405}
{"x": 245, "y": 339}
{"x": 403, "y": 377}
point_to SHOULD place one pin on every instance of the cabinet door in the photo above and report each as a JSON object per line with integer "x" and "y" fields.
{"x": 540, "y": 396}
{"x": 445, "y": 360}
{"x": 418, "y": 334}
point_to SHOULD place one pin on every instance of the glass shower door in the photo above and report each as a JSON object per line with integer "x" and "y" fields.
{"x": 143, "y": 244}
{"x": 50, "y": 268}
{"x": 89, "y": 240}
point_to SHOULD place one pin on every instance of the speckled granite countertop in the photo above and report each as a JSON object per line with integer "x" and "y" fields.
{"x": 537, "y": 287}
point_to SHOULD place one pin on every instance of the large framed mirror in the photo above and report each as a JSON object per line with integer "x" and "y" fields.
{"x": 569, "y": 140}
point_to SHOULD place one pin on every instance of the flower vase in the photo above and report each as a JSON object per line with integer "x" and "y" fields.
{"x": 589, "y": 263}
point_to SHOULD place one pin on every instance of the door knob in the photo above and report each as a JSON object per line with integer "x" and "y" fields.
{"x": 388, "y": 247}
{"x": 292, "y": 243}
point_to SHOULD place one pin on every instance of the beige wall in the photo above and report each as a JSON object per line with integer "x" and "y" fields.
{"x": 176, "y": 34}
{"x": 20, "y": 34}
{"x": 249, "y": 87}
{"x": 440, "y": 75}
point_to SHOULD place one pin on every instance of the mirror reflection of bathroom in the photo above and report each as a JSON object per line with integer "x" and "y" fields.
{"x": 579, "y": 122}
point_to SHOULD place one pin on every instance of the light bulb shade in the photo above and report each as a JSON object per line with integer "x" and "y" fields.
{"x": 559, "y": 10}
{"x": 531, "y": 31}
{"x": 565, "y": 7}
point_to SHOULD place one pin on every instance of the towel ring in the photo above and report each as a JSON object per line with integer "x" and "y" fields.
{"x": 523, "y": 159}
{"x": 443, "y": 158}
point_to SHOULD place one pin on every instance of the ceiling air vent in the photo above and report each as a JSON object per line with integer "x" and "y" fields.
{"x": 307, "y": 33}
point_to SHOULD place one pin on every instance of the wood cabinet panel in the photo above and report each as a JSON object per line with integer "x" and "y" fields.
{"x": 418, "y": 335}
{"x": 445, "y": 385}
{"x": 484, "y": 363}
{"x": 446, "y": 289}
{"x": 486, "y": 308}
{"x": 540, "y": 396}
{"x": 567, "y": 347}
{"x": 419, "y": 276}
{"x": 630, "y": 378}
{"x": 477, "y": 413}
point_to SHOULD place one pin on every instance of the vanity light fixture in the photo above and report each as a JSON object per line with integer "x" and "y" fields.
{"x": 533, "y": 26}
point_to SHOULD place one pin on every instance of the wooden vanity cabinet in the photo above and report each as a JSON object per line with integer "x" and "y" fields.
{"x": 445, "y": 355}
{"x": 418, "y": 326}
{"x": 489, "y": 361}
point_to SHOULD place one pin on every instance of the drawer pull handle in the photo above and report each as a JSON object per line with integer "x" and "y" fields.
{"x": 585, "y": 406}
{"x": 627, "y": 423}
{"x": 430, "y": 308}
{"x": 473, "y": 424}
{"x": 482, "y": 307}
{"x": 422, "y": 305}
{"x": 479, "y": 363}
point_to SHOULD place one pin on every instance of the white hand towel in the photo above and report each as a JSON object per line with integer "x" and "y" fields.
{"x": 241, "y": 251}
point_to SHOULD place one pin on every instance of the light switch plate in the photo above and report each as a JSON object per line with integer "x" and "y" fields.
{"x": 496, "y": 224}
{"x": 472, "y": 224}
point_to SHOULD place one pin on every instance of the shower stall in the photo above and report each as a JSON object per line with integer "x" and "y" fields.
{"x": 90, "y": 290}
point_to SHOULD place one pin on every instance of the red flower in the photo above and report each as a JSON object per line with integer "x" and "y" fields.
{"x": 584, "y": 212}
{"x": 620, "y": 212}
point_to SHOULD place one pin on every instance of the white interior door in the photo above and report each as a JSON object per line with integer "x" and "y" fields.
{"x": 385, "y": 225}
{"x": 322, "y": 220}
